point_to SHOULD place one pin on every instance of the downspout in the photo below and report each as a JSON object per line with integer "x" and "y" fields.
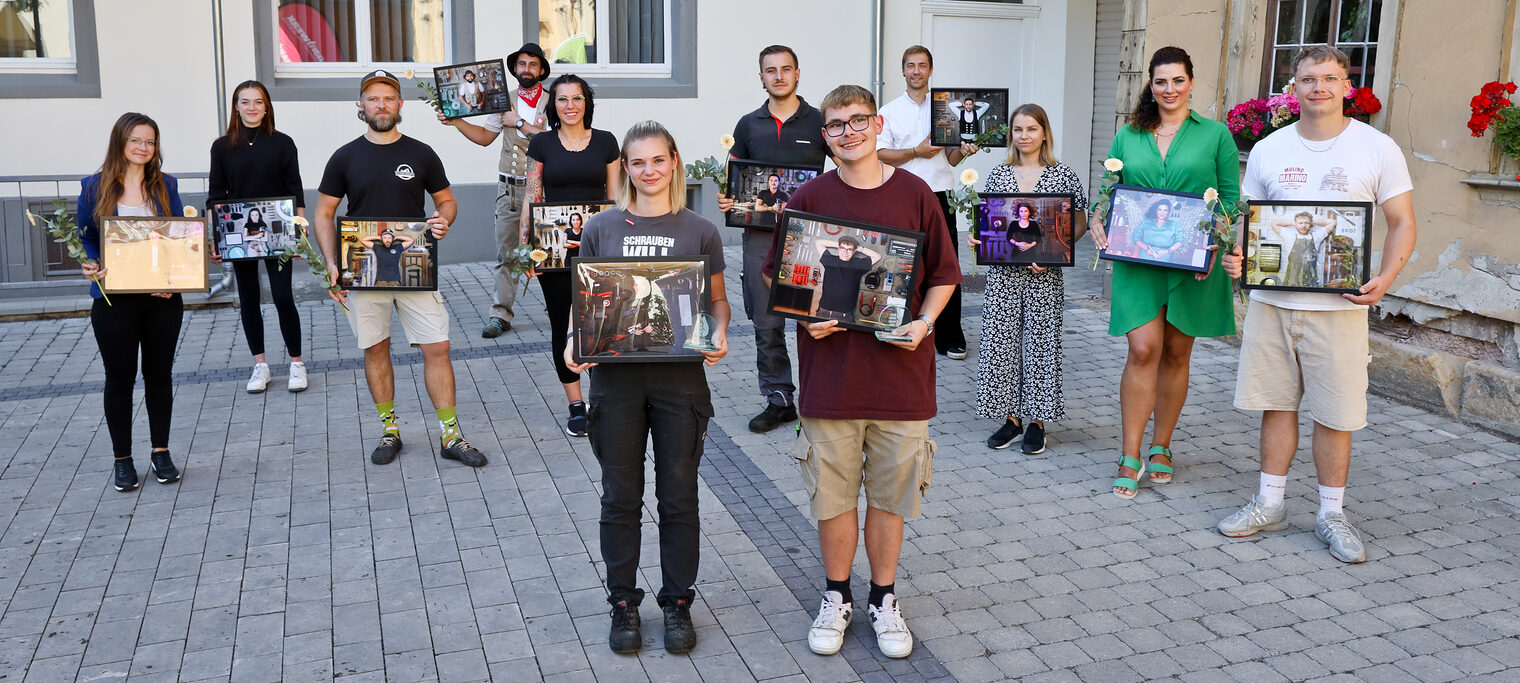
{"x": 878, "y": 38}
{"x": 219, "y": 63}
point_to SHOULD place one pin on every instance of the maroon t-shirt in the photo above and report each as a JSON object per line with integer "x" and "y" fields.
{"x": 851, "y": 375}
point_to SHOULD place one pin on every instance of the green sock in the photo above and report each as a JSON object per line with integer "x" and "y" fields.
{"x": 388, "y": 417}
{"x": 448, "y": 424}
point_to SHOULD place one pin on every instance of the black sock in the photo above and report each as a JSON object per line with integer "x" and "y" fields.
{"x": 879, "y": 592}
{"x": 842, "y": 586}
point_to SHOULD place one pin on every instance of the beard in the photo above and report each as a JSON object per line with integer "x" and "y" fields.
{"x": 525, "y": 81}
{"x": 381, "y": 123}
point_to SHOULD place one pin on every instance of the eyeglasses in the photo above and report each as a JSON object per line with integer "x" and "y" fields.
{"x": 1329, "y": 81}
{"x": 578, "y": 99}
{"x": 857, "y": 122}
{"x": 143, "y": 142}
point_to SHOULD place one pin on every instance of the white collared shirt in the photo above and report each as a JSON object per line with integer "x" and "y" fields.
{"x": 906, "y": 125}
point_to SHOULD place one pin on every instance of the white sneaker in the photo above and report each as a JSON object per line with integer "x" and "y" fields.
{"x": 826, "y": 637}
{"x": 297, "y": 377}
{"x": 892, "y": 635}
{"x": 260, "y": 379}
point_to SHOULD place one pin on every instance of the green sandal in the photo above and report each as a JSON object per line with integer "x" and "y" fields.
{"x": 1125, "y": 482}
{"x": 1156, "y": 468}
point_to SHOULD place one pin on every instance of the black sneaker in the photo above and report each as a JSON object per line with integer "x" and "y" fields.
{"x": 625, "y": 638}
{"x": 126, "y": 474}
{"x": 389, "y": 448}
{"x": 1034, "y": 439}
{"x": 680, "y": 636}
{"x": 577, "y": 424}
{"x": 462, "y": 451}
{"x": 1005, "y": 435}
{"x": 773, "y": 416}
{"x": 956, "y": 353}
{"x": 494, "y": 327}
{"x": 163, "y": 467}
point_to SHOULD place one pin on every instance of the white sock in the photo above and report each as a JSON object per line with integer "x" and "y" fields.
{"x": 1331, "y": 498}
{"x": 1272, "y": 489}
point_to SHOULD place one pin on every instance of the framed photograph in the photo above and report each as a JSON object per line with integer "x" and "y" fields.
{"x": 1158, "y": 227}
{"x": 473, "y": 88}
{"x": 555, "y": 227}
{"x": 637, "y": 309}
{"x": 1308, "y": 246}
{"x": 254, "y": 229}
{"x": 958, "y": 114}
{"x": 857, "y": 273}
{"x": 761, "y": 190}
{"x": 1026, "y": 229}
{"x": 152, "y": 255}
{"x": 387, "y": 253}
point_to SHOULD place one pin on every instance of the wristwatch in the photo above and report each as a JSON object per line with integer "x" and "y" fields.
{"x": 927, "y": 321}
{"x": 520, "y": 122}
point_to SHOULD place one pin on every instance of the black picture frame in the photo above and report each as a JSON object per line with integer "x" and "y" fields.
{"x": 882, "y": 294}
{"x": 1124, "y": 224}
{"x": 945, "y": 124}
{"x": 491, "y": 78}
{"x": 1054, "y": 215}
{"x": 416, "y": 263}
{"x": 748, "y": 179}
{"x": 545, "y": 219}
{"x": 603, "y": 313}
{"x": 1340, "y": 262}
{"x": 229, "y": 221}
{"x": 154, "y": 254}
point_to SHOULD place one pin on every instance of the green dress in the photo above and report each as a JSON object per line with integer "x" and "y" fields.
{"x": 1202, "y": 155}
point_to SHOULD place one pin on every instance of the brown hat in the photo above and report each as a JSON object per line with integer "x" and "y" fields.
{"x": 382, "y": 76}
{"x": 532, "y": 49}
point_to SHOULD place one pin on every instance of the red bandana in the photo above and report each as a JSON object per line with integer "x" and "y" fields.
{"x": 531, "y": 96}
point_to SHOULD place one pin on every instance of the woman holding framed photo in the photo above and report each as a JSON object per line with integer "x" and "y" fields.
{"x": 671, "y": 402}
{"x": 570, "y": 162}
{"x": 1166, "y": 146}
{"x": 254, "y": 160}
{"x": 131, "y": 182}
{"x": 1018, "y": 373}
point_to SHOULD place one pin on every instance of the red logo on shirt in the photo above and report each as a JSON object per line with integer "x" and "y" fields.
{"x": 1293, "y": 177}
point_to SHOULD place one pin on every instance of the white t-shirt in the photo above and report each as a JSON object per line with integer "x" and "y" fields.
{"x": 906, "y": 124}
{"x": 1364, "y": 165}
{"x": 495, "y": 122}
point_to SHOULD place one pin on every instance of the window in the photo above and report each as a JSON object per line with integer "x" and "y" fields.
{"x": 1351, "y": 25}
{"x": 625, "y": 48}
{"x": 353, "y": 36}
{"x": 41, "y": 55}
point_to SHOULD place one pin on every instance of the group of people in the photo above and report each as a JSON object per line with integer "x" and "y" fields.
{"x": 1299, "y": 348}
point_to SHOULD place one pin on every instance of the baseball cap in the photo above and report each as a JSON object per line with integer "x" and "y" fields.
{"x": 382, "y": 76}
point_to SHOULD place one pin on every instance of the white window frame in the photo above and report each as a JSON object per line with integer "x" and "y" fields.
{"x": 613, "y": 70}
{"x": 363, "y": 46}
{"x": 47, "y": 65}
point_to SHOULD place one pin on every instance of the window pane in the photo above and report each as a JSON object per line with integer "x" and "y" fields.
{"x": 408, "y": 30}
{"x": 1288, "y": 22}
{"x": 1282, "y": 68}
{"x": 1357, "y": 19}
{"x": 34, "y": 28}
{"x": 1364, "y": 80}
{"x": 1316, "y": 22}
{"x": 316, "y": 31}
{"x": 638, "y": 31}
{"x": 567, "y": 30}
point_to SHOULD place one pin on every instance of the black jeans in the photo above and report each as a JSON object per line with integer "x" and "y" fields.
{"x": 631, "y": 402}
{"x": 247, "y": 274}
{"x": 947, "y": 327}
{"x": 771, "y": 360}
{"x": 556, "y": 288}
{"x": 131, "y": 323}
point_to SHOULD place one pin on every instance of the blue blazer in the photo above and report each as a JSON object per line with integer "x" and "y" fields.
{"x": 89, "y": 233}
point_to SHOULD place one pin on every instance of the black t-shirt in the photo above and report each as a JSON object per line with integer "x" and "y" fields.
{"x": 384, "y": 181}
{"x": 1033, "y": 233}
{"x": 388, "y": 261}
{"x": 574, "y": 176}
{"x": 769, "y": 198}
{"x": 841, "y": 280}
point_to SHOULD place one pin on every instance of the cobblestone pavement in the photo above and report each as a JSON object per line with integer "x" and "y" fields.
{"x": 285, "y": 555}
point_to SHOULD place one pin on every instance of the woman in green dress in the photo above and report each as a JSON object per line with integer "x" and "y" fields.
{"x": 1166, "y": 146}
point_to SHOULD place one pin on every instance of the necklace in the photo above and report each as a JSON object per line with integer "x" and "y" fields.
{"x": 1022, "y": 177}
{"x": 574, "y": 144}
{"x": 1333, "y": 140}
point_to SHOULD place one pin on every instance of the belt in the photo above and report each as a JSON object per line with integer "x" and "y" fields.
{"x": 511, "y": 179}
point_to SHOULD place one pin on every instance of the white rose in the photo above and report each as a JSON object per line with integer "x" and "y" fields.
{"x": 1113, "y": 165}
{"x": 727, "y": 142}
{"x": 190, "y": 212}
{"x": 409, "y": 73}
{"x": 1211, "y": 195}
{"x": 969, "y": 176}
{"x": 300, "y": 221}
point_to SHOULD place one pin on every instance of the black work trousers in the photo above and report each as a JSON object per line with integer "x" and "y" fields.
{"x": 129, "y": 325}
{"x": 947, "y": 327}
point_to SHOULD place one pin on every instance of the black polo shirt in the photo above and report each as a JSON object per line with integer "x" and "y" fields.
{"x": 798, "y": 140}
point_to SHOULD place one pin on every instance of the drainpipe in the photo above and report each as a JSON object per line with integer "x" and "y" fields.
{"x": 878, "y": 38}
{"x": 219, "y": 62}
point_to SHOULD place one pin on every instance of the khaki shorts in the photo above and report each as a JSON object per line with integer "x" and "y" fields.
{"x": 423, "y": 316}
{"x": 895, "y": 461}
{"x": 1314, "y": 358}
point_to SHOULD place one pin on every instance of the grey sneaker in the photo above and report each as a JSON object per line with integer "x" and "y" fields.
{"x": 1344, "y": 541}
{"x": 1254, "y": 517}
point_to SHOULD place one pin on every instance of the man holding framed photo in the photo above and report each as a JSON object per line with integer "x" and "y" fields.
{"x": 1311, "y": 348}
{"x": 784, "y": 130}
{"x": 526, "y": 117}
{"x": 861, "y": 395}
{"x": 906, "y": 142}
{"x": 386, "y": 174}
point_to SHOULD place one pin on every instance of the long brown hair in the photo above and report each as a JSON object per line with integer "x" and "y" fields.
{"x": 235, "y": 122}
{"x": 1147, "y": 114}
{"x": 113, "y": 173}
{"x": 1047, "y": 153}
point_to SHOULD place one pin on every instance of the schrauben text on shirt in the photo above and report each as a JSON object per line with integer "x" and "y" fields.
{"x": 647, "y": 245}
